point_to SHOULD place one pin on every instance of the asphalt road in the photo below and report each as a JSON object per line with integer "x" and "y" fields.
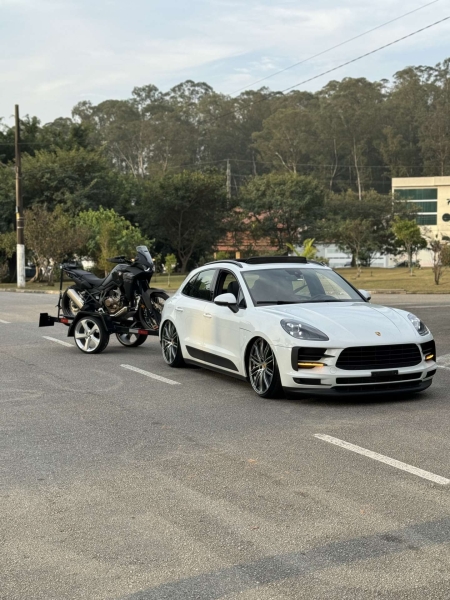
{"x": 115, "y": 485}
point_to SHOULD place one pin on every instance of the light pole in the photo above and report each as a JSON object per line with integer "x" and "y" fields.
{"x": 19, "y": 208}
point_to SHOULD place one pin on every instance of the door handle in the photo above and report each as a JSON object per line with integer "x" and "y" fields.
{"x": 179, "y": 309}
{"x": 207, "y": 315}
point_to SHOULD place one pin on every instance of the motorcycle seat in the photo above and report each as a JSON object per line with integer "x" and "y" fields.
{"x": 90, "y": 277}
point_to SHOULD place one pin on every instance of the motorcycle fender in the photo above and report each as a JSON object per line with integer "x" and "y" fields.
{"x": 157, "y": 290}
{"x": 84, "y": 313}
{"x": 146, "y": 297}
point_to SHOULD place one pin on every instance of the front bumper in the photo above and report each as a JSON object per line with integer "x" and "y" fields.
{"x": 333, "y": 381}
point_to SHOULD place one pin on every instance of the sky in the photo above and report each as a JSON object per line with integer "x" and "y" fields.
{"x": 56, "y": 53}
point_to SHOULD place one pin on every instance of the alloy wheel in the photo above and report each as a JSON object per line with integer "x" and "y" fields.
{"x": 87, "y": 335}
{"x": 170, "y": 342}
{"x": 261, "y": 366}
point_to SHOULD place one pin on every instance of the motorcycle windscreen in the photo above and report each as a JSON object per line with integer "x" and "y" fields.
{"x": 144, "y": 256}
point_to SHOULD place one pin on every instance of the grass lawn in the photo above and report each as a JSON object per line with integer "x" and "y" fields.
{"x": 159, "y": 281}
{"x": 422, "y": 282}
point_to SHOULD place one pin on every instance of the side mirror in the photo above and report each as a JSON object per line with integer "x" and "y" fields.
{"x": 227, "y": 300}
{"x": 365, "y": 294}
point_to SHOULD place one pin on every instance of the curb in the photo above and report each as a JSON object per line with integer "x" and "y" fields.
{"x": 390, "y": 292}
{"x": 16, "y": 291}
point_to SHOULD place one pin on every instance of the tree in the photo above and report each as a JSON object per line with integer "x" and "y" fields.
{"x": 440, "y": 252}
{"x": 7, "y": 252}
{"x": 79, "y": 179}
{"x": 185, "y": 211}
{"x": 284, "y": 206}
{"x": 109, "y": 235}
{"x": 409, "y": 238}
{"x": 288, "y": 137}
{"x": 373, "y": 217}
{"x": 51, "y": 237}
{"x": 170, "y": 264}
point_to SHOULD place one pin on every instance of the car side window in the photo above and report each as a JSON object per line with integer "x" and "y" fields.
{"x": 188, "y": 288}
{"x": 200, "y": 286}
{"x": 228, "y": 283}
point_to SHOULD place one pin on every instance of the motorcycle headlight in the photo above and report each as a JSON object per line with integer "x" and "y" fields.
{"x": 301, "y": 331}
{"x": 418, "y": 325}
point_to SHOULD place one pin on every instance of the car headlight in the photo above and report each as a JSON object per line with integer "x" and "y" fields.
{"x": 418, "y": 325}
{"x": 301, "y": 331}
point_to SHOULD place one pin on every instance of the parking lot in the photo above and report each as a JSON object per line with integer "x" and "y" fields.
{"x": 123, "y": 479}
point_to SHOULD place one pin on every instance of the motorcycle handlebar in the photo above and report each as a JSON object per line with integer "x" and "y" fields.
{"x": 118, "y": 259}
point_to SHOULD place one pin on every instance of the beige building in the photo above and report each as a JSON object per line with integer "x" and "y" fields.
{"x": 431, "y": 195}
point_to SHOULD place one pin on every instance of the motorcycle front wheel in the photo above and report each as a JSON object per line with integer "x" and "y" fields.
{"x": 152, "y": 319}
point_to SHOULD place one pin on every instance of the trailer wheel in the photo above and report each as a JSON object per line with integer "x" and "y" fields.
{"x": 90, "y": 335}
{"x": 132, "y": 340}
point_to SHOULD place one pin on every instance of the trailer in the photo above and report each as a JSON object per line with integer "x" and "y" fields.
{"x": 92, "y": 330}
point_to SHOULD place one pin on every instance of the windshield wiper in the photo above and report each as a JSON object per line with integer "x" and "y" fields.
{"x": 327, "y": 300}
{"x": 279, "y": 302}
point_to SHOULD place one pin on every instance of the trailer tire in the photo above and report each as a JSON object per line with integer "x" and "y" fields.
{"x": 91, "y": 336}
{"x": 132, "y": 340}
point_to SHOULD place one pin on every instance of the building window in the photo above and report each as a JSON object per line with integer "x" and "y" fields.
{"x": 426, "y": 219}
{"x": 420, "y": 194}
{"x": 424, "y": 207}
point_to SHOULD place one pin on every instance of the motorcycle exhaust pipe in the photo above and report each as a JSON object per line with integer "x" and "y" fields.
{"x": 76, "y": 298}
{"x": 120, "y": 312}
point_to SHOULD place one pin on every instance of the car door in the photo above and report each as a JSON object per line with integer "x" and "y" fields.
{"x": 221, "y": 333}
{"x": 196, "y": 295}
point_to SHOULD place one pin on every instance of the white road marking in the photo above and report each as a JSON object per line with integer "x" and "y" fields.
{"x": 443, "y": 362}
{"x": 5, "y": 322}
{"x": 57, "y": 341}
{"x": 384, "y": 459}
{"x": 152, "y": 375}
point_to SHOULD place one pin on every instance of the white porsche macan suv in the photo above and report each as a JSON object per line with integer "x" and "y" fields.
{"x": 285, "y": 323}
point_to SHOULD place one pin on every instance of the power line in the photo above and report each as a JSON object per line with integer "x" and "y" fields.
{"x": 349, "y": 62}
{"x": 334, "y": 47}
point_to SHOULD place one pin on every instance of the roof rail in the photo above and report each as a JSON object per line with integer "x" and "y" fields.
{"x": 317, "y": 262}
{"x": 231, "y": 262}
{"x": 266, "y": 260}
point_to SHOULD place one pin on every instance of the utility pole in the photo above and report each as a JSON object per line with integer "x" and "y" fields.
{"x": 19, "y": 208}
{"x": 228, "y": 181}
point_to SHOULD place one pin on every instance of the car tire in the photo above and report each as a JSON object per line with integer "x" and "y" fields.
{"x": 262, "y": 370}
{"x": 90, "y": 335}
{"x": 171, "y": 347}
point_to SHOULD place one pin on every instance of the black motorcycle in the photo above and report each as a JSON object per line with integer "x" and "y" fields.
{"x": 125, "y": 294}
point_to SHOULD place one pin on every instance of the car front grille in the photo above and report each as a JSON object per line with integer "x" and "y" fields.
{"x": 379, "y": 357}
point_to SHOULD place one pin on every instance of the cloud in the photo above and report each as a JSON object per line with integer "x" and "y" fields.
{"x": 57, "y": 52}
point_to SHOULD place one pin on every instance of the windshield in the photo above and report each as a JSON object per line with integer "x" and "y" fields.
{"x": 144, "y": 256}
{"x": 292, "y": 285}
